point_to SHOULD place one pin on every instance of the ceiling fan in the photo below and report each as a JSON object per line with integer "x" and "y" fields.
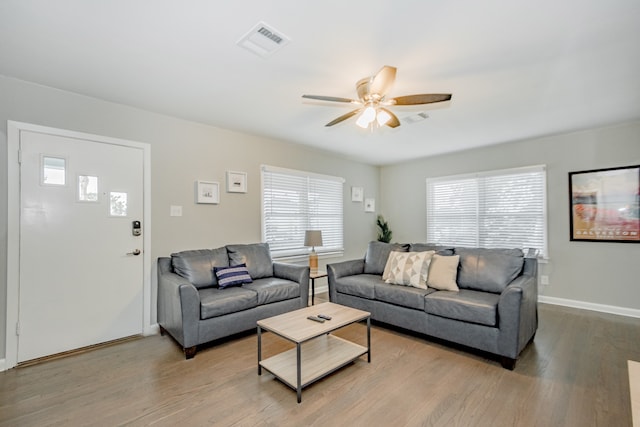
{"x": 372, "y": 102}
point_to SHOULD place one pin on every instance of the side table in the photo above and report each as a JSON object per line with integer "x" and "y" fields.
{"x": 313, "y": 276}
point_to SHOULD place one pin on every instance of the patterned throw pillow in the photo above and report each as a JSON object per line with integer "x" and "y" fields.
{"x": 408, "y": 268}
{"x": 232, "y": 276}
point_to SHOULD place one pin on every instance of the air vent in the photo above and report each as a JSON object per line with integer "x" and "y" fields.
{"x": 263, "y": 40}
{"x": 416, "y": 117}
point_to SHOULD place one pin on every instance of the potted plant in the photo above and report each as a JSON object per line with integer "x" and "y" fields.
{"x": 384, "y": 232}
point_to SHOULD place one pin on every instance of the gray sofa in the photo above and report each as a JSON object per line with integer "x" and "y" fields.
{"x": 194, "y": 309}
{"x": 494, "y": 310}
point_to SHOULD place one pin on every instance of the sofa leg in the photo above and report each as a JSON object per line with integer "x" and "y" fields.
{"x": 508, "y": 363}
{"x": 162, "y": 331}
{"x": 189, "y": 352}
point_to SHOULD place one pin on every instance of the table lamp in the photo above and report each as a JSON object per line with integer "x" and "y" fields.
{"x": 313, "y": 238}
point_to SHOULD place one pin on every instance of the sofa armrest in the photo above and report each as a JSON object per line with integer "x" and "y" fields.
{"x": 295, "y": 273}
{"x": 342, "y": 269}
{"x": 345, "y": 268}
{"x": 518, "y": 311}
{"x": 178, "y": 305}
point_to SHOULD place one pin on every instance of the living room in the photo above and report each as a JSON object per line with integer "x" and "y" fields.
{"x": 600, "y": 277}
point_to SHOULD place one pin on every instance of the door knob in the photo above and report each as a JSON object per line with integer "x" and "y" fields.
{"x": 135, "y": 252}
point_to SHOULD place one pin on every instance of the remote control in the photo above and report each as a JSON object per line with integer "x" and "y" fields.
{"x": 324, "y": 316}
{"x": 316, "y": 319}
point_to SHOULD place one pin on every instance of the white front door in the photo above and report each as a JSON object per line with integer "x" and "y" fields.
{"x": 81, "y": 265}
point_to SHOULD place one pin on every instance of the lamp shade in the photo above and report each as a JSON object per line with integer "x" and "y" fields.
{"x": 313, "y": 238}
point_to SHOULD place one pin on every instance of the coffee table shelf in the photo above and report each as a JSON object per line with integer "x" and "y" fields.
{"x": 319, "y": 357}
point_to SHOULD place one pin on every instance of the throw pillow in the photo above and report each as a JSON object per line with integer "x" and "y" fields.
{"x": 443, "y": 272}
{"x": 232, "y": 276}
{"x": 408, "y": 268}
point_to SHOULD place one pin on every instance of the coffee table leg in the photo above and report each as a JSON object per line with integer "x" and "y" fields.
{"x": 259, "y": 350}
{"x": 369, "y": 339}
{"x": 299, "y": 366}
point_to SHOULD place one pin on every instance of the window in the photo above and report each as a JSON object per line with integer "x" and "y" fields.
{"x": 118, "y": 203}
{"x": 87, "y": 188}
{"x": 497, "y": 209}
{"x": 54, "y": 170}
{"x": 296, "y": 201}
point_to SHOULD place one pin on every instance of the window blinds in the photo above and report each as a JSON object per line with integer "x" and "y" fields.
{"x": 497, "y": 209}
{"x": 295, "y": 201}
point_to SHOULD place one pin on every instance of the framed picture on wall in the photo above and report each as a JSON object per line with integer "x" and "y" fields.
{"x": 207, "y": 192}
{"x": 357, "y": 194}
{"x": 604, "y": 205}
{"x": 369, "y": 205}
{"x": 236, "y": 182}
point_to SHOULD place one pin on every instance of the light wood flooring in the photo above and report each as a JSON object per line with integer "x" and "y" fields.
{"x": 574, "y": 374}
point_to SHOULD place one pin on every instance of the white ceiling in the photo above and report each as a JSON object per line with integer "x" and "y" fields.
{"x": 516, "y": 69}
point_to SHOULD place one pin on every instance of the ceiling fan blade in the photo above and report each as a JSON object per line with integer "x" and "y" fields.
{"x": 393, "y": 122}
{"x": 330, "y": 98}
{"x": 382, "y": 82}
{"x": 343, "y": 117}
{"x": 425, "y": 98}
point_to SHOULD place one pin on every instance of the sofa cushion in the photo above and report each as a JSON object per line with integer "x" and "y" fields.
{"x": 232, "y": 276}
{"x": 274, "y": 289}
{"x": 489, "y": 270}
{"x": 440, "y": 250}
{"x": 465, "y": 305}
{"x": 216, "y": 302}
{"x": 197, "y": 265}
{"x": 256, "y": 256}
{"x": 377, "y": 254}
{"x": 408, "y": 268}
{"x": 443, "y": 272}
{"x": 360, "y": 285}
{"x": 405, "y": 296}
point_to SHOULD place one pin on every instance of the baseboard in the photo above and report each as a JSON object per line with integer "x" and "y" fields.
{"x": 321, "y": 289}
{"x": 2, "y": 365}
{"x": 611, "y": 309}
{"x": 152, "y": 330}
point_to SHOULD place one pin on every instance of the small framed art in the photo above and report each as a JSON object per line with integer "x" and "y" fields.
{"x": 236, "y": 182}
{"x": 357, "y": 194}
{"x": 369, "y": 205}
{"x": 207, "y": 192}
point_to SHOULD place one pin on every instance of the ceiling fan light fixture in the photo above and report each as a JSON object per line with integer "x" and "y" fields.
{"x": 367, "y": 117}
{"x": 383, "y": 117}
{"x": 372, "y": 101}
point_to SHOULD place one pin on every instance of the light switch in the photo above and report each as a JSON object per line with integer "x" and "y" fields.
{"x": 176, "y": 211}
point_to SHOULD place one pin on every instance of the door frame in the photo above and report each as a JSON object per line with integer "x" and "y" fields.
{"x": 13, "y": 222}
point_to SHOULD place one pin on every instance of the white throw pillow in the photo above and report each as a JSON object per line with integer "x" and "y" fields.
{"x": 408, "y": 268}
{"x": 443, "y": 271}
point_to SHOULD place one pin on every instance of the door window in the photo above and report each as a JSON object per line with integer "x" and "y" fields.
{"x": 54, "y": 170}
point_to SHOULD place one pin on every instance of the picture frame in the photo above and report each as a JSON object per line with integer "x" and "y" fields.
{"x": 369, "y": 205}
{"x": 357, "y": 194}
{"x": 604, "y": 205}
{"x": 207, "y": 192}
{"x": 236, "y": 182}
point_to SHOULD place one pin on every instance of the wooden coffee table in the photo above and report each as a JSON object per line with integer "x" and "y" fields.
{"x": 317, "y": 353}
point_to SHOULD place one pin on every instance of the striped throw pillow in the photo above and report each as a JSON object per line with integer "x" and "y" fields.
{"x": 232, "y": 276}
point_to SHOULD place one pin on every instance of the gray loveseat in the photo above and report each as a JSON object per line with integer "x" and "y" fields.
{"x": 194, "y": 309}
{"x": 494, "y": 310}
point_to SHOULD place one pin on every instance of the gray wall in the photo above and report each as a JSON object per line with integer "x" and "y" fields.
{"x": 596, "y": 273}
{"x": 181, "y": 153}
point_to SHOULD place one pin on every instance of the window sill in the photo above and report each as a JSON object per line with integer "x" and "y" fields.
{"x": 305, "y": 257}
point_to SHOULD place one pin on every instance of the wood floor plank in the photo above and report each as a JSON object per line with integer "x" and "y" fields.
{"x": 574, "y": 374}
